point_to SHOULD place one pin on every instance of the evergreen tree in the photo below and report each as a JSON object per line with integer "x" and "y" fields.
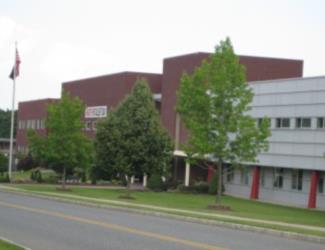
{"x": 131, "y": 141}
{"x": 5, "y": 120}
{"x": 3, "y": 163}
{"x": 214, "y": 103}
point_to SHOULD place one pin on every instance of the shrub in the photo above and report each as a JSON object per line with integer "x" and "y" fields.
{"x": 3, "y": 163}
{"x": 201, "y": 187}
{"x": 36, "y": 175}
{"x": 172, "y": 184}
{"x": 49, "y": 176}
{"x": 185, "y": 189}
{"x": 4, "y": 178}
{"x": 155, "y": 183}
{"x": 26, "y": 163}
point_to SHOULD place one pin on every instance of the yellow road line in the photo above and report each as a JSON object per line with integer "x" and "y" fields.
{"x": 115, "y": 227}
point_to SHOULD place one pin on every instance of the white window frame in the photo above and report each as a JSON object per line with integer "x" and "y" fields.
{"x": 300, "y": 122}
{"x": 278, "y": 177}
{"x": 322, "y": 125}
{"x": 279, "y": 122}
{"x": 321, "y": 184}
{"x": 297, "y": 176}
{"x": 244, "y": 177}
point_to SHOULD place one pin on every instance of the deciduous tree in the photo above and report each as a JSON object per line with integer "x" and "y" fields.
{"x": 214, "y": 105}
{"x": 65, "y": 146}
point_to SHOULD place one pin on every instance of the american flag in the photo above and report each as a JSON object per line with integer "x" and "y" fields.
{"x": 15, "y": 69}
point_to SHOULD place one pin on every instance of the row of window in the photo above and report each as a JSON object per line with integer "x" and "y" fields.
{"x": 22, "y": 149}
{"x": 40, "y": 124}
{"x": 31, "y": 124}
{"x": 278, "y": 178}
{"x": 299, "y": 122}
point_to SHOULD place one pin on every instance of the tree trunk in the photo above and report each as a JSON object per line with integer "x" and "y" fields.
{"x": 219, "y": 191}
{"x": 63, "y": 177}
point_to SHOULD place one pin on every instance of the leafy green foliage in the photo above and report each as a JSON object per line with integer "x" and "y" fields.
{"x": 214, "y": 105}
{"x": 213, "y": 185}
{"x": 3, "y": 163}
{"x": 65, "y": 147}
{"x": 27, "y": 163}
{"x": 36, "y": 175}
{"x": 4, "y": 178}
{"x": 155, "y": 183}
{"x": 131, "y": 141}
{"x": 200, "y": 187}
{"x": 5, "y": 120}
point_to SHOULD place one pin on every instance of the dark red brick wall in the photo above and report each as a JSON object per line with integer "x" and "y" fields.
{"x": 257, "y": 68}
{"x": 31, "y": 110}
{"x": 109, "y": 90}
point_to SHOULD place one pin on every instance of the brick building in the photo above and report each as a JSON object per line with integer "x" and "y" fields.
{"x": 102, "y": 93}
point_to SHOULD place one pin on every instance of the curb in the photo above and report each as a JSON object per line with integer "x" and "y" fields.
{"x": 255, "y": 229}
{"x": 14, "y": 243}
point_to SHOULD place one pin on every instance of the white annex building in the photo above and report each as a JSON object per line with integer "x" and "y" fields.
{"x": 293, "y": 169}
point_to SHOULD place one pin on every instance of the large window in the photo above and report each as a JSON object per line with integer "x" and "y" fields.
{"x": 230, "y": 174}
{"x": 244, "y": 176}
{"x": 296, "y": 179}
{"x": 278, "y": 177}
{"x": 262, "y": 177}
{"x": 321, "y": 184}
{"x": 320, "y": 122}
{"x": 88, "y": 125}
{"x": 303, "y": 122}
{"x": 283, "y": 122}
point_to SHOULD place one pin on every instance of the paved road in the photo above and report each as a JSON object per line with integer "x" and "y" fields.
{"x": 50, "y": 225}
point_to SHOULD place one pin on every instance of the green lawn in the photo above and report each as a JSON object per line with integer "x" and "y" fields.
{"x": 199, "y": 202}
{"x": 7, "y": 246}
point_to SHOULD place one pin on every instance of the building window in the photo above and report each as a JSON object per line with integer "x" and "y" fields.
{"x": 244, "y": 177}
{"x": 296, "y": 179}
{"x": 42, "y": 124}
{"x": 259, "y": 122}
{"x": 320, "y": 122}
{"x": 278, "y": 177}
{"x": 28, "y": 124}
{"x": 262, "y": 177}
{"x": 94, "y": 125}
{"x": 283, "y": 122}
{"x": 230, "y": 174}
{"x": 321, "y": 184}
{"x": 33, "y": 124}
{"x": 303, "y": 122}
{"x": 88, "y": 125}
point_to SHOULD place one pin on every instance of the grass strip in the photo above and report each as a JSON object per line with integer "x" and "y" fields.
{"x": 4, "y": 245}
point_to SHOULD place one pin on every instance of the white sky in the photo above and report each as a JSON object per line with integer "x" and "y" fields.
{"x": 62, "y": 40}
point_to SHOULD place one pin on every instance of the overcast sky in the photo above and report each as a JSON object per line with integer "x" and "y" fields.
{"x": 64, "y": 40}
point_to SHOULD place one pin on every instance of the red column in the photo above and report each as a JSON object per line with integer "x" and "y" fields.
{"x": 255, "y": 183}
{"x": 210, "y": 173}
{"x": 313, "y": 189}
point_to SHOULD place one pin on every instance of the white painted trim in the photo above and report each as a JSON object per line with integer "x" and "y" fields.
{"x": 187, "y": 174}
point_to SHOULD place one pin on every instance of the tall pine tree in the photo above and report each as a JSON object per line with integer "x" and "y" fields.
{"x": 131, "y": 141}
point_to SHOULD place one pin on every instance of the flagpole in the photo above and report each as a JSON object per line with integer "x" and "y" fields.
{"x": 12, "y": 118}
